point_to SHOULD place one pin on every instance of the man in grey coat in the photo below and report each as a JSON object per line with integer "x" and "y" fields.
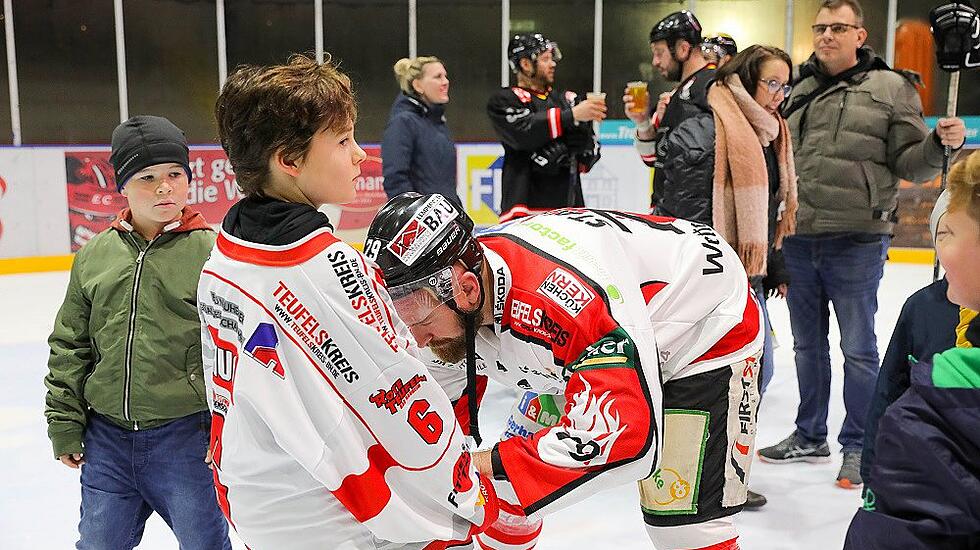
{"x": 857, "y": 129}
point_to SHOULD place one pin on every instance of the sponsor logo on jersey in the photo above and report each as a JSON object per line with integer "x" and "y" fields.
{"x": 500, "y": 294}
{"x": 261, "y": 346}
{"x": 710, "y": 242}
{"x": 565, "y": 290}
{"x": 394, "y": 398}
{"x": 742, "y": 445}
{"x": 539, "y": 408}
{"x": 537, "y": 322}
{"x": 461, "y": 478}
{"x": 428, "y": 223}
{"x": 563, "y": 242}
{"x": 363, "y": 300}
{"x": 592, "y": 430}
{"x": 219, "y": 402}
{"x": 290, "y": 309}
{"x": 228, "y": 314}
{"x": 613, "y": 350}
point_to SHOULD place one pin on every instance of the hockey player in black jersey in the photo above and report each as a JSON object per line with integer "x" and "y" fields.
{"x": 546, "y": 133}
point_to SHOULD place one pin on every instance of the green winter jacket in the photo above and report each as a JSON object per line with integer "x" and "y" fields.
{"x": 127, "y": 340}
{"x": 852, "y": 142}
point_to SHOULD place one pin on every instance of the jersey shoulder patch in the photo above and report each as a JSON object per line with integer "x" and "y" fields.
{"x": 523, "y": 95}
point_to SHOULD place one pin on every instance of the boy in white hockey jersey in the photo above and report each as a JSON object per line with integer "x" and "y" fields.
{"x": 326, "y": 433}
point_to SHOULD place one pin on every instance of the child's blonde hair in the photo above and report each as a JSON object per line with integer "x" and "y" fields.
{"x": 964, "y": 187}
{"x": 409, "y": 70}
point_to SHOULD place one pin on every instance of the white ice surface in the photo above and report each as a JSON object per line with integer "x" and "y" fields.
{"x": 39, "y": 497}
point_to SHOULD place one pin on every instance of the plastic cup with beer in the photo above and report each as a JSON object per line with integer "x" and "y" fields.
{"x": 641, "y": 97}
{"x": 596, "y": 96}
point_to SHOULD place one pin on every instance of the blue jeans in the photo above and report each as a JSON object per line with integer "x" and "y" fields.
{"x": 845, "y": 269}
{"x": 128, "y": 475}
{"x": 767, "y": 348}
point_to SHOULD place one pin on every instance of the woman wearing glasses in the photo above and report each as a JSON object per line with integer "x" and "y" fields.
{"x": 753, "y": 198}
{"x": 754, "y": 194}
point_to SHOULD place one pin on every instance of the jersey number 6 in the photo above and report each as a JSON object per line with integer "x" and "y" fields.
{"x": 427, "y": 423}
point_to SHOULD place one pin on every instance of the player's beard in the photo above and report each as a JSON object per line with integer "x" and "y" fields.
{"x": 674, "y": 71}
{"x": 453, "y": 350}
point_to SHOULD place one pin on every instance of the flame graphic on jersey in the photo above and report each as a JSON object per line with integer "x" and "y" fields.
{"x": 594, "y": 417}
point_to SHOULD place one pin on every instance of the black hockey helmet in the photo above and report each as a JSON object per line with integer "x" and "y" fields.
{"x": 415, "y": 239}
{"x": 680, "y": 24}
{"x": 956, "y": 29}
{"x": 529, "y": 46}
{"x": 721, "y": 44}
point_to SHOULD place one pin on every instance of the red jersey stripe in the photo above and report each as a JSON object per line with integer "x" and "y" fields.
{"x": 739, "y": 336}
{"x": 281, "y": 257}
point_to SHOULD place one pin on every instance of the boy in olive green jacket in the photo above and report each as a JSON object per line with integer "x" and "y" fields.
{"x": 125, "y": 399}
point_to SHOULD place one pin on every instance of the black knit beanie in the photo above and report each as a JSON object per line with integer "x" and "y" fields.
{"x": 145, "y": 140}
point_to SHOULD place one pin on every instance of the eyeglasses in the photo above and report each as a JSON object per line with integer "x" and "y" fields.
{"x": 774, "y": 86}
{"x": 835, "y": 28}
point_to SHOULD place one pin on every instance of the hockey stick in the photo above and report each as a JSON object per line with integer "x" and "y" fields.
{"x": 954, "y": 87}
{"x": 956, "y": 29}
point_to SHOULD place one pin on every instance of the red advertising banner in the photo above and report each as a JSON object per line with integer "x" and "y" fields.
{"x": 370, "y": 197}
{"x": 93, "y": 201}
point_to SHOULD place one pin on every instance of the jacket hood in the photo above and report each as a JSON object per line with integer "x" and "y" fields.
{"x": 407, "y": 103}
{"x": 868, "y": 60}
{"x": 190, "y": 220}
{"x": 271, "y": 221}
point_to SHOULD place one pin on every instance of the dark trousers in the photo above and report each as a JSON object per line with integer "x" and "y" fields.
{"x": 128, "y": 475}
{"x": 844, "y": 269}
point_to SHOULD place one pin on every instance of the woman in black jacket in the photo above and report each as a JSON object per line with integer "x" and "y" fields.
{"x": 417, "y": 151}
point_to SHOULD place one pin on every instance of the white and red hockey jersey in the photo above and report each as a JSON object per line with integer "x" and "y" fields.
{"x": 326, "y": 433}
{"x": 603, "y": 307}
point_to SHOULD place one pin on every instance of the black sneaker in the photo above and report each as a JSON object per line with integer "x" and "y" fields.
{"x": 849, "y": 476}
{"x": 794, "y": 449}
{"x": 754, "y": 501}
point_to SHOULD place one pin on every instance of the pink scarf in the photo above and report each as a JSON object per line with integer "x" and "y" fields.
{"x": 740, "y": 197}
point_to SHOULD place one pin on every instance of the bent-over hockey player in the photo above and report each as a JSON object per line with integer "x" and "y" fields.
{"x": 645, "y": 325}
{"x": 325, "y": 432}
{"x": 546, "y": 133}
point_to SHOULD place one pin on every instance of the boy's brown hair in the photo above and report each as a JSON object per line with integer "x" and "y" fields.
{"x": 964, "y": 187}
{"x": 262, "y": 110}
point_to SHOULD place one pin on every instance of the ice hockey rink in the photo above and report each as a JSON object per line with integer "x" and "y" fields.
{"x": 39, "y": 497}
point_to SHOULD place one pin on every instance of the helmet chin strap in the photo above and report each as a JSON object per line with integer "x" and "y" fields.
{"x": 470, "y": 319}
